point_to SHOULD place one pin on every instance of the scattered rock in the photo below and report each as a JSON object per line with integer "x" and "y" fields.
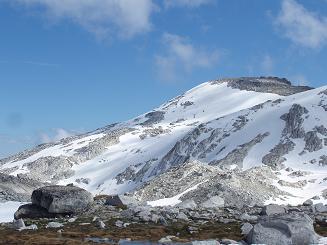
{"x": 182, "y": 216}
{"x": 167, "y": 239}
{"x": 19, "y": 224}
{"x": 72, "y": 220}
{"x": 54, "y": 225}
{"x": 101, "y": 224}
{"x": 228, "y": 241}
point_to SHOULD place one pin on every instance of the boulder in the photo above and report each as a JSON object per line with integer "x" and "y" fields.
{"x": 320, "y": 208}
{"x": 308, "y": 202}
{"x": 182, "y": 216}
{"x": 246, "y": 228}
{"x": 62, "y": 199}
{"x": 187, "y": 204}
{"x": 272, "y": 209}
{"x": 54, "y": 225}
{"x": 19, "y": 224}
{"x": 247, "y": 217}
{"x": 32, "y": 211}
{"x": 283, "y": 229}
{"x": 114, "y": 201}
{"x": 214, "y": 202}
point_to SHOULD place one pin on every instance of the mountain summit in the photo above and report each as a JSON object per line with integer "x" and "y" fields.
{"x": 258, "y": 135}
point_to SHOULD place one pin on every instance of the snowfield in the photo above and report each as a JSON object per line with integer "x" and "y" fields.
{"x": 7, "y": 210}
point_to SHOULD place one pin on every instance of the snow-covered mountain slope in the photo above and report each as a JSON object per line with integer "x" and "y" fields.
{"x": 229, "y": 123}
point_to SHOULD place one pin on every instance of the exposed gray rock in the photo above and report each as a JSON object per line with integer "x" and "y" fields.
{"x": 98, "y": 146}
{"x": 214, "y": 202}
{"x": 62, "y": 199}
{"x": 297, "y": 184}
{"x": 247, "y": 217}
{"x": 312, "y": 141}
{"x": 294, "y": 121}
{"x": 19, "y": 224}
{"x": 320, "y": 208}
{"x": 83, "y": 180}
{"x": 273, "y": 209}
{"x": 17, "y": 188}
{"x": 153, "y": 132}
{"x": 187, "y": 103}
{"x": 101, "y": 224}
{"x": 321, "y": 130}
{"x": 187, "y": 204}
{"x": 285, "y": 229}
{"x": 237, "y": 188}
{"x": 299, "y": 173}
{"x": 275, "y": 157}
{"x": 114, "y": 201}
{"x": 182, "y": 216}
{"x": 323, "y": 160}
{"x": 246, "y": 228}
{"x": 237, "y": 155}
{"x": 308, "y": 202}
{"x": 54, "y": 225}
{"x": 274, "y": 85}
{"x": 50, "y": 168}
{"x": 153, "y": 118}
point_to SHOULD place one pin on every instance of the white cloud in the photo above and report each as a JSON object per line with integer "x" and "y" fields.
{"x": 302, "y": 26}
{"x": 267, "y": 64}
{"x": 300, "y": 80}
{"x": 186, "y": 3}
{"x": 104, "y": 18}
{"x": 182, "y": 57}
{"x": 56, "y": 135}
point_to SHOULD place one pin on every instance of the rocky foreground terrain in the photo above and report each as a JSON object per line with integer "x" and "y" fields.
{"x": 69, "y": 215}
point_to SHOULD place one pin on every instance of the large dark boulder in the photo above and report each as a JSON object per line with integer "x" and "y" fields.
{"x": 114, "y": 201}
{"x": 32, "y": 211}
{"x": 283, "y": 229}
{"x": 62, "y": 199}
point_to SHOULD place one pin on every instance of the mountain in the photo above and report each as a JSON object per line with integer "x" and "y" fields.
{"x": 245, "y": 139}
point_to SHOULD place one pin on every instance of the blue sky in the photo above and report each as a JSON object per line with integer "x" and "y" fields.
{"x": 69, "y": 66}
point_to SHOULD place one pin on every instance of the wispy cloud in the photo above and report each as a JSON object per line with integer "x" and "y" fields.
{"x": 56, "y": 135}
{"x": 186, "y": 3}
{"x": 301, "y": 26}
{"x": 36, "y": 63}
{"x": 181, "y": 56}
{"x": 39, "y": 63}
{"x": 104, "y": 18}
{"x": 267, "y": 64}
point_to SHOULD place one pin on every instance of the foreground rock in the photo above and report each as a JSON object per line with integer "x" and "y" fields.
{"x": 284, "y": 229}
{"x": 32, "y": 211}
{"x": 62, "y": 199}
